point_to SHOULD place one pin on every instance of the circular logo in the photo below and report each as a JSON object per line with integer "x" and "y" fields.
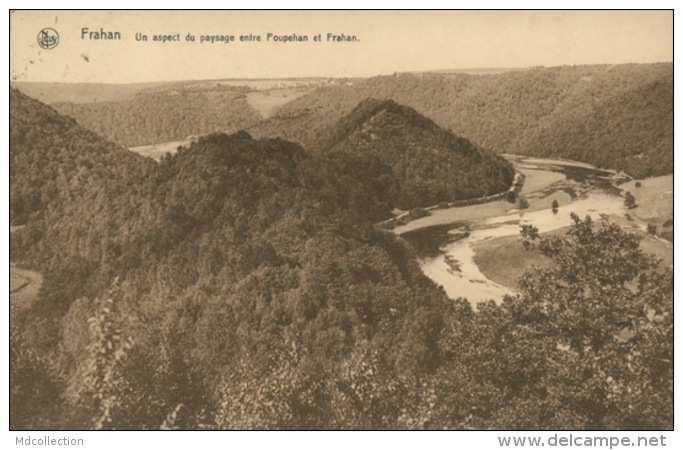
{"x": 48, "y": 38}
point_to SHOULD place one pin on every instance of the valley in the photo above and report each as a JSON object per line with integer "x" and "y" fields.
{"x": 491, "y": 259}
{"x": 344, "y": 254}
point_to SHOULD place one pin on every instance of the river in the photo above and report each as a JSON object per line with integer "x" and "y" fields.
{"x": 593, "y": 193}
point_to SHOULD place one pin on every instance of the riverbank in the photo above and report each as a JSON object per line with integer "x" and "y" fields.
{"x": 157, "y": 151}
{"x": 490, "y": 258}
{"x": 540, "y": 187}
{"x": 654, "y": 206}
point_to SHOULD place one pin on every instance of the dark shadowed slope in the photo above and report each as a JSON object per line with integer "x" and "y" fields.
{"x": 407, "y": 160}
{"x": 237, "y": 262}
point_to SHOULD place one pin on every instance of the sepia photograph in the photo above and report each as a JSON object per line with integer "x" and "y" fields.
{"x": 342, "y": 220}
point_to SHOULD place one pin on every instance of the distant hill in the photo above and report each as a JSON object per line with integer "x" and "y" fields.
{"x": 619, "y": 117}
{"x": 615, "y": 116}
{"x": 84, "y": 92}
{"x": 407, "y": 160}
{"x": 151, "y": 113}
{"x": 115, "y": 92}
{"x": 166, "y": 114}
{"x": 473, "y": 70}
{"x": 631, "y": 129}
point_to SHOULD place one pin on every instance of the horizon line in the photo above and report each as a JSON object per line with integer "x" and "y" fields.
{"x": 321, "y": 77}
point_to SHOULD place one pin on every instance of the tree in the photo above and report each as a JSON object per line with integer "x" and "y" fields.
{"x": 603, "y": 317}
{"x": 588, "y": 344}
{"x": 511, "y": 196}
{"x": 555, "y": 206}
{"x": 102, "y": 389}
{"x": 629, "y": 200}
{"x": 651, "y": 229}
{"x": 522, "y": 203}
{"x": 638, "y": 184}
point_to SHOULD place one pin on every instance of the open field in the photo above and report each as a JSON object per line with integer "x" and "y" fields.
{"x": 156, "y": 151}
{"x": 536, "y": 181}
{"x": 546, "y": 202}
{"x": 475, "y": 71}
{"x": 655, "y": 203}
{"x": 460, "y": 214}
{"x": 266, "y": 102}
{"x": 503, "y": 260}
{"x": 268, "y": 83}
{"x": 112, "y": 92}
{"x": 654, "y": 198}
{"x": 559, "y": 162}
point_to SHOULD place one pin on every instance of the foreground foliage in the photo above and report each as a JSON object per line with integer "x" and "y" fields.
{"x": 587, "y": 345}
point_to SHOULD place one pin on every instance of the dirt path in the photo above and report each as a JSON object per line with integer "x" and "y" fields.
{"x": 24, "y": 286}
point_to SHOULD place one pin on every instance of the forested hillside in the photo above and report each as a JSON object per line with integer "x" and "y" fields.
{"x": 238, "y": 266}
{"x": 619, "y": 117}
{"x": 53, "y": 161}
{"x": 407, "y": 160}
{"x": 241, "y": 284}
{"x": 165, "y": 114}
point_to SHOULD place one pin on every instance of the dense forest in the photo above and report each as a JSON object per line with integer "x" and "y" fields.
{"x": 406, "y": 160}
{"x": 241, "y": 284}
{"x": 53, "y": 160}
{"x": 165, "y": 114}
{"x": 618, "y": 117}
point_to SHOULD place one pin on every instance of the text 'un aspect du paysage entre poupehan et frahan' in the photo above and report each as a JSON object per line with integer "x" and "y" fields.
{"x": 105, "y": 35}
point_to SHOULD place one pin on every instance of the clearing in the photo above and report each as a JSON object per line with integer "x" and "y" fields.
{"x": 654, "y": 198}
{"x": 535, "y": 183}
{"x": 266, "y": 102}
{"x": 156, "y": 151}
{"x": 537, "y": 180}
{"x": 503, "y": 260}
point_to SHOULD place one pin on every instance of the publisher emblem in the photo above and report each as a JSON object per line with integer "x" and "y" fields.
{"x": 48, "y": 38}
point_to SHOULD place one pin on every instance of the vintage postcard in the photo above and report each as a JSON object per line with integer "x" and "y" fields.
{"x": 342, "y": 220}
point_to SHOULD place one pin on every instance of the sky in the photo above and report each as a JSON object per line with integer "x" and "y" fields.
{"x": 386, "y": 42}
